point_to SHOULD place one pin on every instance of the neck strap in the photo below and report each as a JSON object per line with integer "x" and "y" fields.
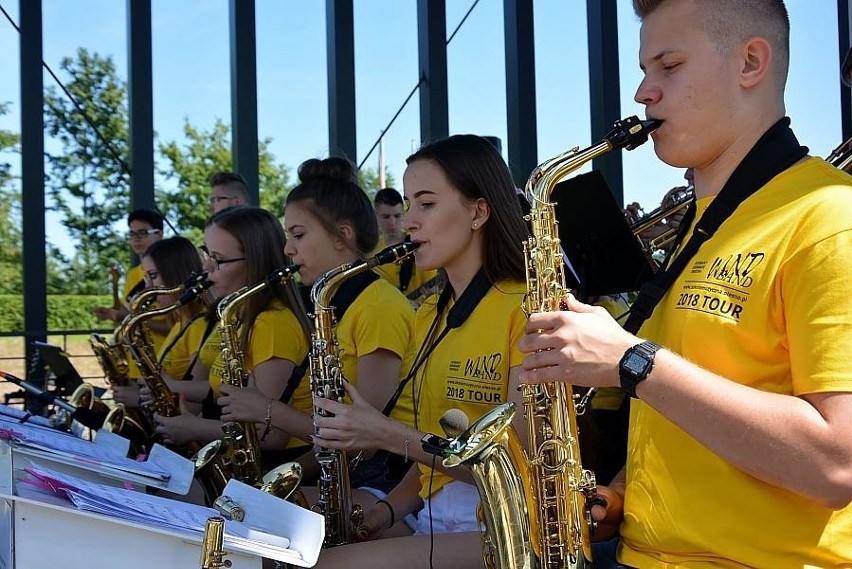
{"x": 776, "y": 151}
{"x": 458, "y": 314}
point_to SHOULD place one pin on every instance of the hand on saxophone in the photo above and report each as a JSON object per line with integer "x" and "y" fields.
{"x": 353, "y": 427}
{"x": 582, "y": 345}
{"x": 608, "y": 512}
{"x": 180, "y": 429}
{"x": 126, "y": 394}
{"x": 246, "y": 404}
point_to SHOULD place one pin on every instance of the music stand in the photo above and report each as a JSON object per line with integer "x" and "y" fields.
{"x": 596, "y": 238}
{"x": 66, "y": 377}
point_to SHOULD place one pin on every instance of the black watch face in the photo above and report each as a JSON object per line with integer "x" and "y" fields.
{"x": 635, "y": 364}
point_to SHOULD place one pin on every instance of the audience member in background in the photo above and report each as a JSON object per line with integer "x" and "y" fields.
{"x": 145, "y": 229}
{"x": 412, "y": 281}
{"x": 227, "y": 190}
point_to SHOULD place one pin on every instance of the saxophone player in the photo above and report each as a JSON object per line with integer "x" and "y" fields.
{"x": 241, "y": 247}
{"x": 463, "y": 211}
{"x": 742, "y": 384}
{"x": 168, "y": 263}
{"x": 330, "y": 222}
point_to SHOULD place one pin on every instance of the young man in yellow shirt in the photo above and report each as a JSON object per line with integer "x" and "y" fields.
{"x": 740, "y": 445}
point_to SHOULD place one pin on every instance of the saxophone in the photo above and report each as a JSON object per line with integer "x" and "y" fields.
{"x": 343, "y": 519}
{"x": 135, "y": 336}
{"x": 113, "y": 358}
{"x": 237, "y": 453}
{"x": 536, "y": 507}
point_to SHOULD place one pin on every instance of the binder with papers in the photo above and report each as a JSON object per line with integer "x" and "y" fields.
{"x": 106, "y": 456}
{"x": 119, "y": 519}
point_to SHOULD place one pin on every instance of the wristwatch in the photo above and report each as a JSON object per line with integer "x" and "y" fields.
{"x": 635, "y": 366}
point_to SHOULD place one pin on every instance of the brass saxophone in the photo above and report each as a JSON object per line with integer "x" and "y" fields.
{"x": 135, "y": 336}
{"x": 237, "y": 453}
{"x": 536, "y": 508}
{"x": 113, "y": 357}
{"x": 344, "y": 521}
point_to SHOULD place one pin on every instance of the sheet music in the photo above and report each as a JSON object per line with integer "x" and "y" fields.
{"x": 61, "y": 445}
{"x": 17, "y": 415}
{"x": 156, "y": 511}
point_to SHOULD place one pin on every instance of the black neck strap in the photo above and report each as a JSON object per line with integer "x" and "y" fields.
{"x": 776, "y": 151}
{"x": 211, "y": 324}
{"x": 458, "y": 314}
{"x": 342, "y": 299}
{"x": 349, "y": 290}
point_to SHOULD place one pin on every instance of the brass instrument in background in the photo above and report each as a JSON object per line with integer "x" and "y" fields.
{"x": 536, "y": 507}
{"x": 841, "y": 157}
{"x": 237, "y": 453}
{"x": 344, "y": 521}
{"x": 656, "y": 246}
{"x": 212, "y": 551}
{"x": 419, "y": 295}
{"x": 114, "y": 276}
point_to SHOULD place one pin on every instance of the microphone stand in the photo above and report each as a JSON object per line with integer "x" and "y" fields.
{"x": 85, "y": 417}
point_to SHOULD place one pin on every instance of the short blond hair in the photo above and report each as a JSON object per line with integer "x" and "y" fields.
{"x": 729, "y": 22}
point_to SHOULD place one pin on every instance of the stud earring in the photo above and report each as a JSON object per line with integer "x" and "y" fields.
{"x": 474, "y": 225}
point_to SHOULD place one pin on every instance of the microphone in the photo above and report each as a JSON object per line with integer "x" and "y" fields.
{"x": 454, "y": 422}
{"x": 86, "y": 417}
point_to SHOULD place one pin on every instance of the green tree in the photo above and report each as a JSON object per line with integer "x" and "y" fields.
{"x": 87, "y": 178}
{"x": 190, "y": 164}
{"x": 10, "y": 211}
{"x": 368, "y": 178}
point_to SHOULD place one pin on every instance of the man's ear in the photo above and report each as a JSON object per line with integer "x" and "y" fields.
{"x": 757, "y": 61}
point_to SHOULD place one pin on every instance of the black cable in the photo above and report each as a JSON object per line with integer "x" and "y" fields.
{"x": 431, "y": 530}
{"x": 416, "y": 87}
{"x": 110, "y": 148}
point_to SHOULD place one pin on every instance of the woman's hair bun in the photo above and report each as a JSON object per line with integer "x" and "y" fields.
{"x": 330, "y": 169}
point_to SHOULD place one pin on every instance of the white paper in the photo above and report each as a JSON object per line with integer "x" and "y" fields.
{"x": 101, "y": 457}
{"x": 157, "y": 511}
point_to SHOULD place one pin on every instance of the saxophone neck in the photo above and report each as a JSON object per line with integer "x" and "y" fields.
{"x": 628, "y": 134}
{"x": 325, "y": 286}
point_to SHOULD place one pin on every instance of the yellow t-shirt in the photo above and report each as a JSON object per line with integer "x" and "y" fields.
{"x": 391, "y": 271}
{"x": 276, "y": 333}
{"x": 135, "y": 275}
{"x": 766, "y": 303}
{"x": 379, "y": 318}
{"x": 184, "y": 345}
{"x": 469, "y": 368}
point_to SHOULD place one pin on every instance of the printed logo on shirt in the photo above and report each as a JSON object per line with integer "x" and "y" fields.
{"x": 477, "y": 379}
{"x": 721, "y": 286}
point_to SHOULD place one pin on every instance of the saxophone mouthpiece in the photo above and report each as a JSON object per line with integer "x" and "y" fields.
{"x": 393, "y": 254}
{"x": 195, "y": 290}
{"x": 454, "y": 422}
{"x": 631, "y": 132}
{"x": 283, "y": 274}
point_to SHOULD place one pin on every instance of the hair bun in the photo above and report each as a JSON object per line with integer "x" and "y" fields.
{"x": 330, "y": 169}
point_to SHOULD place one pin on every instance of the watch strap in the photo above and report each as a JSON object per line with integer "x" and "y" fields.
{"x": 629, "y": 381}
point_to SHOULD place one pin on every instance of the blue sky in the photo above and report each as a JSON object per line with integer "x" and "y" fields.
{"x": 191, "y": 77}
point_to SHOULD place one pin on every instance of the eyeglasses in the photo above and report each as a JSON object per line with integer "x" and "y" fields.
{"x": 215, "y": 199}
{"x": 206, "y": 258}
{"x": 142, "y": 233}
